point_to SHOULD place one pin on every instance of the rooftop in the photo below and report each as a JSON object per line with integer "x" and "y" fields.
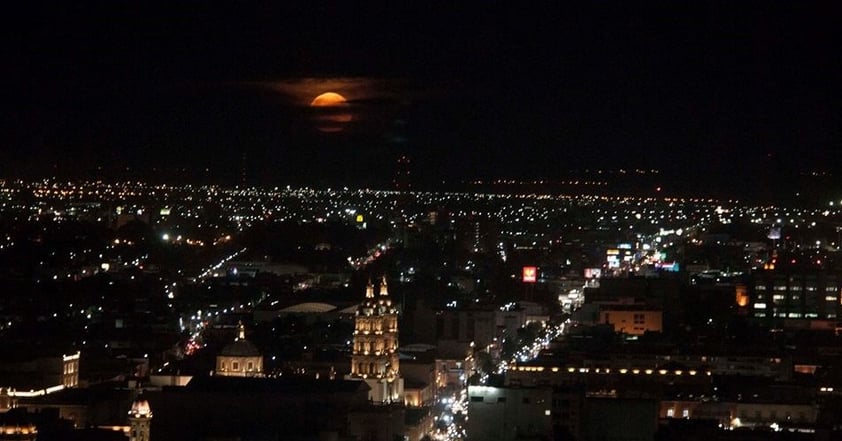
{"x": 283, "y": 385}
{"x": 240, "y": 348}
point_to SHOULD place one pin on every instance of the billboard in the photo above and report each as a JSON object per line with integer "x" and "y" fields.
{"x": 530, "y": 274}
{"x": 667, "y": 266}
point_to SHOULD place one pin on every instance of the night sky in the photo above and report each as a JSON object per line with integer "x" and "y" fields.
{"x": 466, "y": 89}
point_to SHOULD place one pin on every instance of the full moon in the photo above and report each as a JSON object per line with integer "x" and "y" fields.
{"x": 329, "y": 99}
{"x": 332, "y": 113}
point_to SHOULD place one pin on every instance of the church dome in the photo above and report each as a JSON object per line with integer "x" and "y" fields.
{"x": 240, "y": 348}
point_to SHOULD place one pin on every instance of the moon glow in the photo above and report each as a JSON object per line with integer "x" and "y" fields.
{"x": 332, "y": 113}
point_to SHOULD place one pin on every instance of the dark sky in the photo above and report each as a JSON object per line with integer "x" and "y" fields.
{"x": 467, "y": 89}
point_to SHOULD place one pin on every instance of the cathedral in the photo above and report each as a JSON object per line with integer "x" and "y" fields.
{"x": 375, "y": 352}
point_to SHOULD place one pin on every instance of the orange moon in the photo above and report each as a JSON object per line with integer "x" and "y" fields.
{"x": 331, "y": 116}
{"x": 329, "y": 99}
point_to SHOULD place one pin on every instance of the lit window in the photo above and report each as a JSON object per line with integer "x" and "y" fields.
{"x": 670, "y": 412}
{"x": 685, "y": 413}
{"x": 759, "y": 306}
{"x": 830, "y": 298}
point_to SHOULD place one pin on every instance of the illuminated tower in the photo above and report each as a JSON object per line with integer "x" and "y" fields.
{"x": 375, "y": 357}
{"x": 140, "y": 420}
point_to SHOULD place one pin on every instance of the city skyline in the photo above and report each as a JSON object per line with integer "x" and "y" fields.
{"x": 160, "y": 298}
{"x": 424, "y": 222}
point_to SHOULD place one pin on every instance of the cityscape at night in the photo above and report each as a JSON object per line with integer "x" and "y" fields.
{"x": 459, "y": 222}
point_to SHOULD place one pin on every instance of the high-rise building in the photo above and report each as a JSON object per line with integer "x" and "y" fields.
{"x": 375, "y": 357}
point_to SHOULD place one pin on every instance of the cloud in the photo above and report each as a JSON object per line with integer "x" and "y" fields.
{"x": 357, "y": 90}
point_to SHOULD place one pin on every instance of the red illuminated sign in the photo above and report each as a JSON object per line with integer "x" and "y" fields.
{"x": 593, "y": 273}
{"x": 530, "y": 274}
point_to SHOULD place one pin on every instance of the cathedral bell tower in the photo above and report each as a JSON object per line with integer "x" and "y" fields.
{"x": 140, "y": 420}
{"x": 375, "y": 352}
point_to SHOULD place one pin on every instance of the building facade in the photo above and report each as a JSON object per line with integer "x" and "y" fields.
{"x": 23, "y": 376}
{"x": 240, "y": 359}
{"x": 509, "y": 413}
{"x": 631, "y": 319}
{"x": 795, "y": 295}
{"x": 375, "y": 358}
